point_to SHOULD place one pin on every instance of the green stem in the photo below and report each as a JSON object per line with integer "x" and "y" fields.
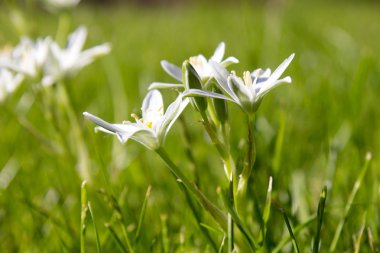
{"x": 216, "y": 213}
{"x": 78, "y": 147}
{"x": 248, "y": 165}
{"x": 83, "y": 217}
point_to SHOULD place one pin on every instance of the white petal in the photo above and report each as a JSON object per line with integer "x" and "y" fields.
{"x": 173, "y": 111}
{"x": 152, "y": 107}
{"x": 172, "y": 70}
{"x": 203, "y": 93}
{"x": 104, "y": 124}
{"x": 219, "y": 53}
{"x": 77, "y": 39}
{"x": 280, "y": 69}
{"x": 158, "y": 85}
{"x": 268, "y": 86}
{"x": 230, "y": 60}
{"x": 89, "y": 55}
{"x": 221, "y": 76}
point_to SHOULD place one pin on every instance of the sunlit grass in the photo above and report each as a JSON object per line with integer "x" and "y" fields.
{"x": 313, "y": 133}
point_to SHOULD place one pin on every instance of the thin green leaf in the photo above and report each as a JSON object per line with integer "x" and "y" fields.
{"x": 321, "y": 208}
{"x": 289, "y": 227}
{"x": 116, "y": 238}
{"x": 350, "y": 200}
{"x": 142, "y": 214}
{"x": 267, "y": 208}
{"x": 95, "y": 228}
{"x": 296, "y": 230}
{"x": 83, "y": 216}
{"x": 359, "y": 239}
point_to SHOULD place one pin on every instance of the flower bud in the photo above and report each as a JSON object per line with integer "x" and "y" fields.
{"x": 192, "y": 80}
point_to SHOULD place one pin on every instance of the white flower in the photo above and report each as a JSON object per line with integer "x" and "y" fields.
{"x": 249, "y": 91}
{"x": 152, "y": 128}
{"x": 28, "y": 57}
{"x": 8, "y": 82}
{"x": 61, "y": 4}
{"x": 201, "y": 65}
{"x": 68, "y": 61}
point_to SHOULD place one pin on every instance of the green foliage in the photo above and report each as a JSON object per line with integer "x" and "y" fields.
{"x": 313, "y": 133}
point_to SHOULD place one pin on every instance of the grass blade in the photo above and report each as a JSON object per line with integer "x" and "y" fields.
{"x": 164, "y": 233}
{"x": 350, "y": 200}
{"x": 142, "y": 214}
{"x": 296, "y": 230}
{"x": 359, "y": 239}
{"x": 95, "y": 229}
{"x": 83, "y": 216}
{"x": 289, "y": 227}
{"x": 267, "y": 207}
{"x": 116, "y": 238}
{"x": 321, "y": 208}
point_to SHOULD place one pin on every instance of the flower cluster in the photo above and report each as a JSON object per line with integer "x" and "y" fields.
{"x": 44, "y": 61}
{"x": 198, "y": 79}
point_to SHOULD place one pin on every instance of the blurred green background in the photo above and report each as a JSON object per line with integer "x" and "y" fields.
{"x": 312, "y": 133}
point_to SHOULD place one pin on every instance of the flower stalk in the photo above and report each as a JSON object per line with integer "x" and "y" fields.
{"x": 214, "y": 211}
{"x": 248, "y": 164}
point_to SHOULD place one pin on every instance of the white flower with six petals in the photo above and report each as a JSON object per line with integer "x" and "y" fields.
{"x": 152, "y": 128}
{"x": 201, "y": 65}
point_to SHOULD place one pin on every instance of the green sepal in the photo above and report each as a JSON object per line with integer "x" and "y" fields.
{"x": 192, "y": 80}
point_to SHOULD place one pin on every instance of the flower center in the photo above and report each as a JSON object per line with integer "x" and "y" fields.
{"x": 137, "y": 118}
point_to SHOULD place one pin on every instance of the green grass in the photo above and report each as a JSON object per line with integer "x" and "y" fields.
{"x": 313, "y": 133}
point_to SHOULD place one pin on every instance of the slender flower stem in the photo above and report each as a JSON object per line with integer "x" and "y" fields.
{"x": 230, "y": 170}
{"x": 83, "y": 162}
{"x": 214, "y": 211}
{"x": 248, "y": 165}
{"x": 229, "y": 164}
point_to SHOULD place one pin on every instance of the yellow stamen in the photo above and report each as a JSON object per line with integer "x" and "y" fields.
{"x": 247, "y": 78}
{"x": 135, "y": 116}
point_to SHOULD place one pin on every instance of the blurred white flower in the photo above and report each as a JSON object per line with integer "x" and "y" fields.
{"x": 8, "y": 82}
{"x": 69, "y": 60}
{"x": 61, "y": 4}
{"x": 152, "y": 128}
{"x": 200, "y": 64}
{"x": 46, "y": 62}
{"x": 28, "y": 57}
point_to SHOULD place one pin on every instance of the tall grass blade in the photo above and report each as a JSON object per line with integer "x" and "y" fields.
{"x": 116, "y": 238}
{"x": 234, "y": 215}
{"x": 350, "y": 200}
{"x": 142, "y": 214}
{"x": 321, "y": 208}
{"x": 289, "y": 227}
{"x": 198, "y": 215}
{"x": 267, "y": 208}
{"x": 98, "y": 248}
{"x": 359, "y": 239}
{"x": 83, "y": 217}
{"x": 296, "y": 230}
{"x": 164, "y": 233}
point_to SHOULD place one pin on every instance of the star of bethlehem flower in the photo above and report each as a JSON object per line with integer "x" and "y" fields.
{"x": 247, "y": 92}
{"x": 8, "y": 82}
{"x": 28, "y": 57}
{"x": 151, "y": 129}
{"x": 200, "y": 64}
{"x": 69, "y": 60}
{"x": 46, "y": 62}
